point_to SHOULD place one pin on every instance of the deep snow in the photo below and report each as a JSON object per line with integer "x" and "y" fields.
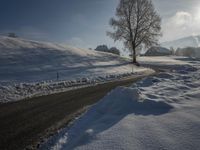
{"x": 159, "y": 112}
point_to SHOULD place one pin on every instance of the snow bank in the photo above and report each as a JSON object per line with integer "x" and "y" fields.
{"x": 110, "y": 110}
{"x": 21, "y": 91}
{"x": 159, "y": 112}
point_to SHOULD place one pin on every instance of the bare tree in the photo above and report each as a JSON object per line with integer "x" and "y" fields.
{"x": 137, "y": 24}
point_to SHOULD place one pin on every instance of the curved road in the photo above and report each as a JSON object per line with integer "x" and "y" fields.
{"x": 25, "y": 123}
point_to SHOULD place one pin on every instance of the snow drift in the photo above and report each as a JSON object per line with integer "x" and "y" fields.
{"x": 104, "y": 115}
{"x": 159, "y": 112}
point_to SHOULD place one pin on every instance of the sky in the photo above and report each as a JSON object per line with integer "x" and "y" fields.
{"x": 83, "y": 23}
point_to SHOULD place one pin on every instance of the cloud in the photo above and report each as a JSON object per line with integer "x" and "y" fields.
{"x": 181, "y": 19}
{"x": 180, "y": 25}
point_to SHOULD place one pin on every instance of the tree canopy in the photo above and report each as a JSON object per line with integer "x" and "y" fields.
{"x": 136, "y": 24}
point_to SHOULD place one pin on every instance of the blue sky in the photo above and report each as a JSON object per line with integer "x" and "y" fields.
{"x": 77, "y": 22}
{"x": 83, "y": 23}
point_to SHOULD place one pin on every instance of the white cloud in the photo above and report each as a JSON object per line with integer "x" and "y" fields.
{"x": 180, "y": 25}
{"x": 181, "y": 19}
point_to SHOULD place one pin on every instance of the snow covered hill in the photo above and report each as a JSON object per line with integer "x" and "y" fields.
{"x": 30, "y": 68}
{"x": 30, "y": 61}
{"x": 191, "y": 41}
{"x": 159, "y": 112}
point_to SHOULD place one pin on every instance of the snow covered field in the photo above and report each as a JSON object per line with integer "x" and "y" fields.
{"x": 30, "y": 68}
{"x": 158, "y": 113}
{"x": 24, "y": 60}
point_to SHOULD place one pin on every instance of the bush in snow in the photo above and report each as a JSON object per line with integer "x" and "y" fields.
{"x": 114, "y": 50}
{"x": 104, "y": 48}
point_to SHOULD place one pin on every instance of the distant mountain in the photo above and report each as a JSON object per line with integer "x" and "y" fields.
{"x": 158, "y": 51}
{"x": 191, "y": 41}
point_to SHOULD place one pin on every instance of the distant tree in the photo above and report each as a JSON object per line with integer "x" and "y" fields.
{"x": 137, "y": 24}
{"x": 13, "y": 35}
{"x": 173, "y": 50}
{"x": 102, "y": 48}
{"x": 177, "y": 52}
{"x": 114, "y": 50}
{"x": 188, "y": 52}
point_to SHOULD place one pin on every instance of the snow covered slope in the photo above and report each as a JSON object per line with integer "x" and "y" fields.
{"x": 31, "y": 61}
{"x": 30, "y": 68}
{"x": 159, "y": 112}
{"x": 191, "y": 41}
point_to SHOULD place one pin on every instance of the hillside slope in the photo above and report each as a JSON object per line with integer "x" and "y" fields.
{"x": 30, "y": 61}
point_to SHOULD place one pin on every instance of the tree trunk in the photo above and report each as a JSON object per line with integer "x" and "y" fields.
{"x": 134, "y": 57}
{"x": 134, "y": 53}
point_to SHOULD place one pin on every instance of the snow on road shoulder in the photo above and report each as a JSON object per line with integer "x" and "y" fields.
{"x": 16, "y": 92}
{"x": 160, "y": 112}
{"x": 103, "y": 116}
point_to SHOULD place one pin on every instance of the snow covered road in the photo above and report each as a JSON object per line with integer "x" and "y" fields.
{"x": 157, "y": 113}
